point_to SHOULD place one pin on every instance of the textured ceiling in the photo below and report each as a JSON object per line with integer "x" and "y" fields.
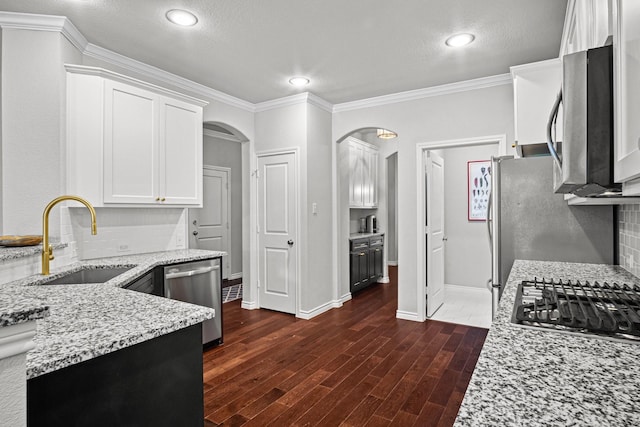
{"x": 350, "y": 49}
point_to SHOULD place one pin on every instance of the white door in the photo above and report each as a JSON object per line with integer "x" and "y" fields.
{"x": 209, "y": 226}
{"x": 434, "y": 185}
{"x": 277, "y": 232}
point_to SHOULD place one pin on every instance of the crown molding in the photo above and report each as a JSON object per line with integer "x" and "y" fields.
{"x": 320, "y": 103}
{"x": 286, "y": 101}
{"x": 31, "y": 21}
{"x": 135, "y": 66}
{"x": 300, "y": 98}
{"x": 28, "y": 21}
{"x": 534, "y": 66}
{"x": 411, "y": 95}
{"x": 112, "y": 75}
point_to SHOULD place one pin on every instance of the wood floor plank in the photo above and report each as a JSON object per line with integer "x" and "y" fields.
{"x": 353, "y": 366}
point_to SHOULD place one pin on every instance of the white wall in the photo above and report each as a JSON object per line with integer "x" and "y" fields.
{"x": 308, "y": 129}
{"x": 487, "y": 111}
{"x": 228, "y": 154}
{"x": 13, "y": 393}
{"x": 467, "y": 242}
{"x": 319, "y": 287}
{"x": 33, "y": 85}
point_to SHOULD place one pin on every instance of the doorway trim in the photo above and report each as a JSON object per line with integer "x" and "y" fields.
{"x": 300, "y": 240}
{"x": 421, "y": 289}
{"x": 229, "y": 247}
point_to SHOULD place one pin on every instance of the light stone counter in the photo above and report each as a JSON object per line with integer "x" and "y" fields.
{"x": 529, "y": 377}
{"x": 88, "y": 320}
{"x": 7, "y": 253}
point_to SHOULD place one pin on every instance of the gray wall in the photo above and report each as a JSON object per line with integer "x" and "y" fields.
{"x": 467, "y": 254}
{"x": 228, "y": 154}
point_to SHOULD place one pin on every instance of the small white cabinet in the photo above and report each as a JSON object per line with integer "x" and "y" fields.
{"x": 535, "y": 89}
{"x": 130, "y": 143}
{"x": 363, "y": 178}
{"x": 586, "y": 25}
{"x": 626, "y": 66}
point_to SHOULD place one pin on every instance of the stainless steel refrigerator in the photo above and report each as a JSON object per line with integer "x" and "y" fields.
{"x": 527, "y": 220}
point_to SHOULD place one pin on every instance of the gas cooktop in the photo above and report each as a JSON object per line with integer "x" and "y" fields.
{"x": 608, "y": 311}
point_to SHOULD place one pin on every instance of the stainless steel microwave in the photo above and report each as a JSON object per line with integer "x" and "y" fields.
{"x": 584, "y": 158}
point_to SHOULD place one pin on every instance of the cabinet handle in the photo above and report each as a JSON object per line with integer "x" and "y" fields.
{"x": 162, "y": 200}
{"x": 362, "y": 254}
{"x": 157, "y": 199}
{"x": 377, "y": 250}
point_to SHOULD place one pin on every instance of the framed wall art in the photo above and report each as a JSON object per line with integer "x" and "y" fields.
{"x": 478, "y": 189}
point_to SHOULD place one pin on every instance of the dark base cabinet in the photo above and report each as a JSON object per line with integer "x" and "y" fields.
{"x": 153, "y": 383}
{"x": 366, "y": 262}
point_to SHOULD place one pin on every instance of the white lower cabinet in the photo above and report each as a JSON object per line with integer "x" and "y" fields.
{"x": 363, "y": 178}
{"x": 130, "y": 143}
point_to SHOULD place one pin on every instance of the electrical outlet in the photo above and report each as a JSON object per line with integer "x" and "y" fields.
{"x": 179, "y": 240}
{"x": 123, "y": 247}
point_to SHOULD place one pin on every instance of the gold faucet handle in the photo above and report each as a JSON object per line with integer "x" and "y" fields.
{"x": 51, "y": 253}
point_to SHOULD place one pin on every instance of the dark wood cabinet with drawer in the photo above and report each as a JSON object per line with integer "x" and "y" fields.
{"x": 366, "y": 261}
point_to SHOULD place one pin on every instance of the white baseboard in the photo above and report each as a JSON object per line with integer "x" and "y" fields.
{"x": 385, "y": 279}
{"x": 407, "y": 315}
{"x": 309, "y": 314}
{"x": 235, "y": 276}
{"x": 249, "y": 305}
{"x": 392, "y": 263}
{"x": 467, "y": 288}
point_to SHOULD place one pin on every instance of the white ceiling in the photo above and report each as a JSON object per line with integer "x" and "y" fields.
{"x": 350, "y": 49}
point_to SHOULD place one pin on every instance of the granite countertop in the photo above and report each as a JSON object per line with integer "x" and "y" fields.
{"x": 364, "y": 235}
{"x": 88, "y": 320}
{"x": 543, "y": 378}
{"x": 7, "y": 253}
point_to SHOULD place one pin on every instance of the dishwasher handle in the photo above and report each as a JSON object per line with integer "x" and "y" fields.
{"x": 191, "y": 272}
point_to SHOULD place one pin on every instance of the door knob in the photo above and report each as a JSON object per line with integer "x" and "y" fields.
{"x": 195, "y": 232}
{"x": 290, "y": 242}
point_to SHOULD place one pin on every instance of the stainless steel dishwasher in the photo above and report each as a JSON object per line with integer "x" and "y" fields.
{"x": 198, "y": 283}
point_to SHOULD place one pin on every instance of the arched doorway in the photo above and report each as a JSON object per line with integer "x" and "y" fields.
{"x": 220, "y": 224}
{"x": 348, "y": 216}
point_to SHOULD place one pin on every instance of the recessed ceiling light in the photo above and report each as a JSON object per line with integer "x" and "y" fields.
{"x": 299, "y": 81}
{"x": 460, "y": 40}
{"x": 182, "y": 17}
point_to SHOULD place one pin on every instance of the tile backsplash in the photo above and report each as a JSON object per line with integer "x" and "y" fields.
{"x": 123, "y": 231}
{"x": 629, "y": 222}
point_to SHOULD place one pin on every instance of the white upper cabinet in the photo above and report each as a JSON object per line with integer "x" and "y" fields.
{"x": 626, "y": 67}
{"x": 535, "y": 89}
{"x": 587, "y": 25}
{"x": 363, "y": 177}
{"x": 130, "y": 143}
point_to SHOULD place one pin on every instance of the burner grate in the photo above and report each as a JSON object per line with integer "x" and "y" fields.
{"x": 610, "y": 310}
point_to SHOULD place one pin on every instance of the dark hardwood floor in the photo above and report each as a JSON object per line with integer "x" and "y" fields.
{"x": 353, "y": 366}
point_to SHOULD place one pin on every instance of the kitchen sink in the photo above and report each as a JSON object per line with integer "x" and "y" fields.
{"x": 89, "y": 275}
